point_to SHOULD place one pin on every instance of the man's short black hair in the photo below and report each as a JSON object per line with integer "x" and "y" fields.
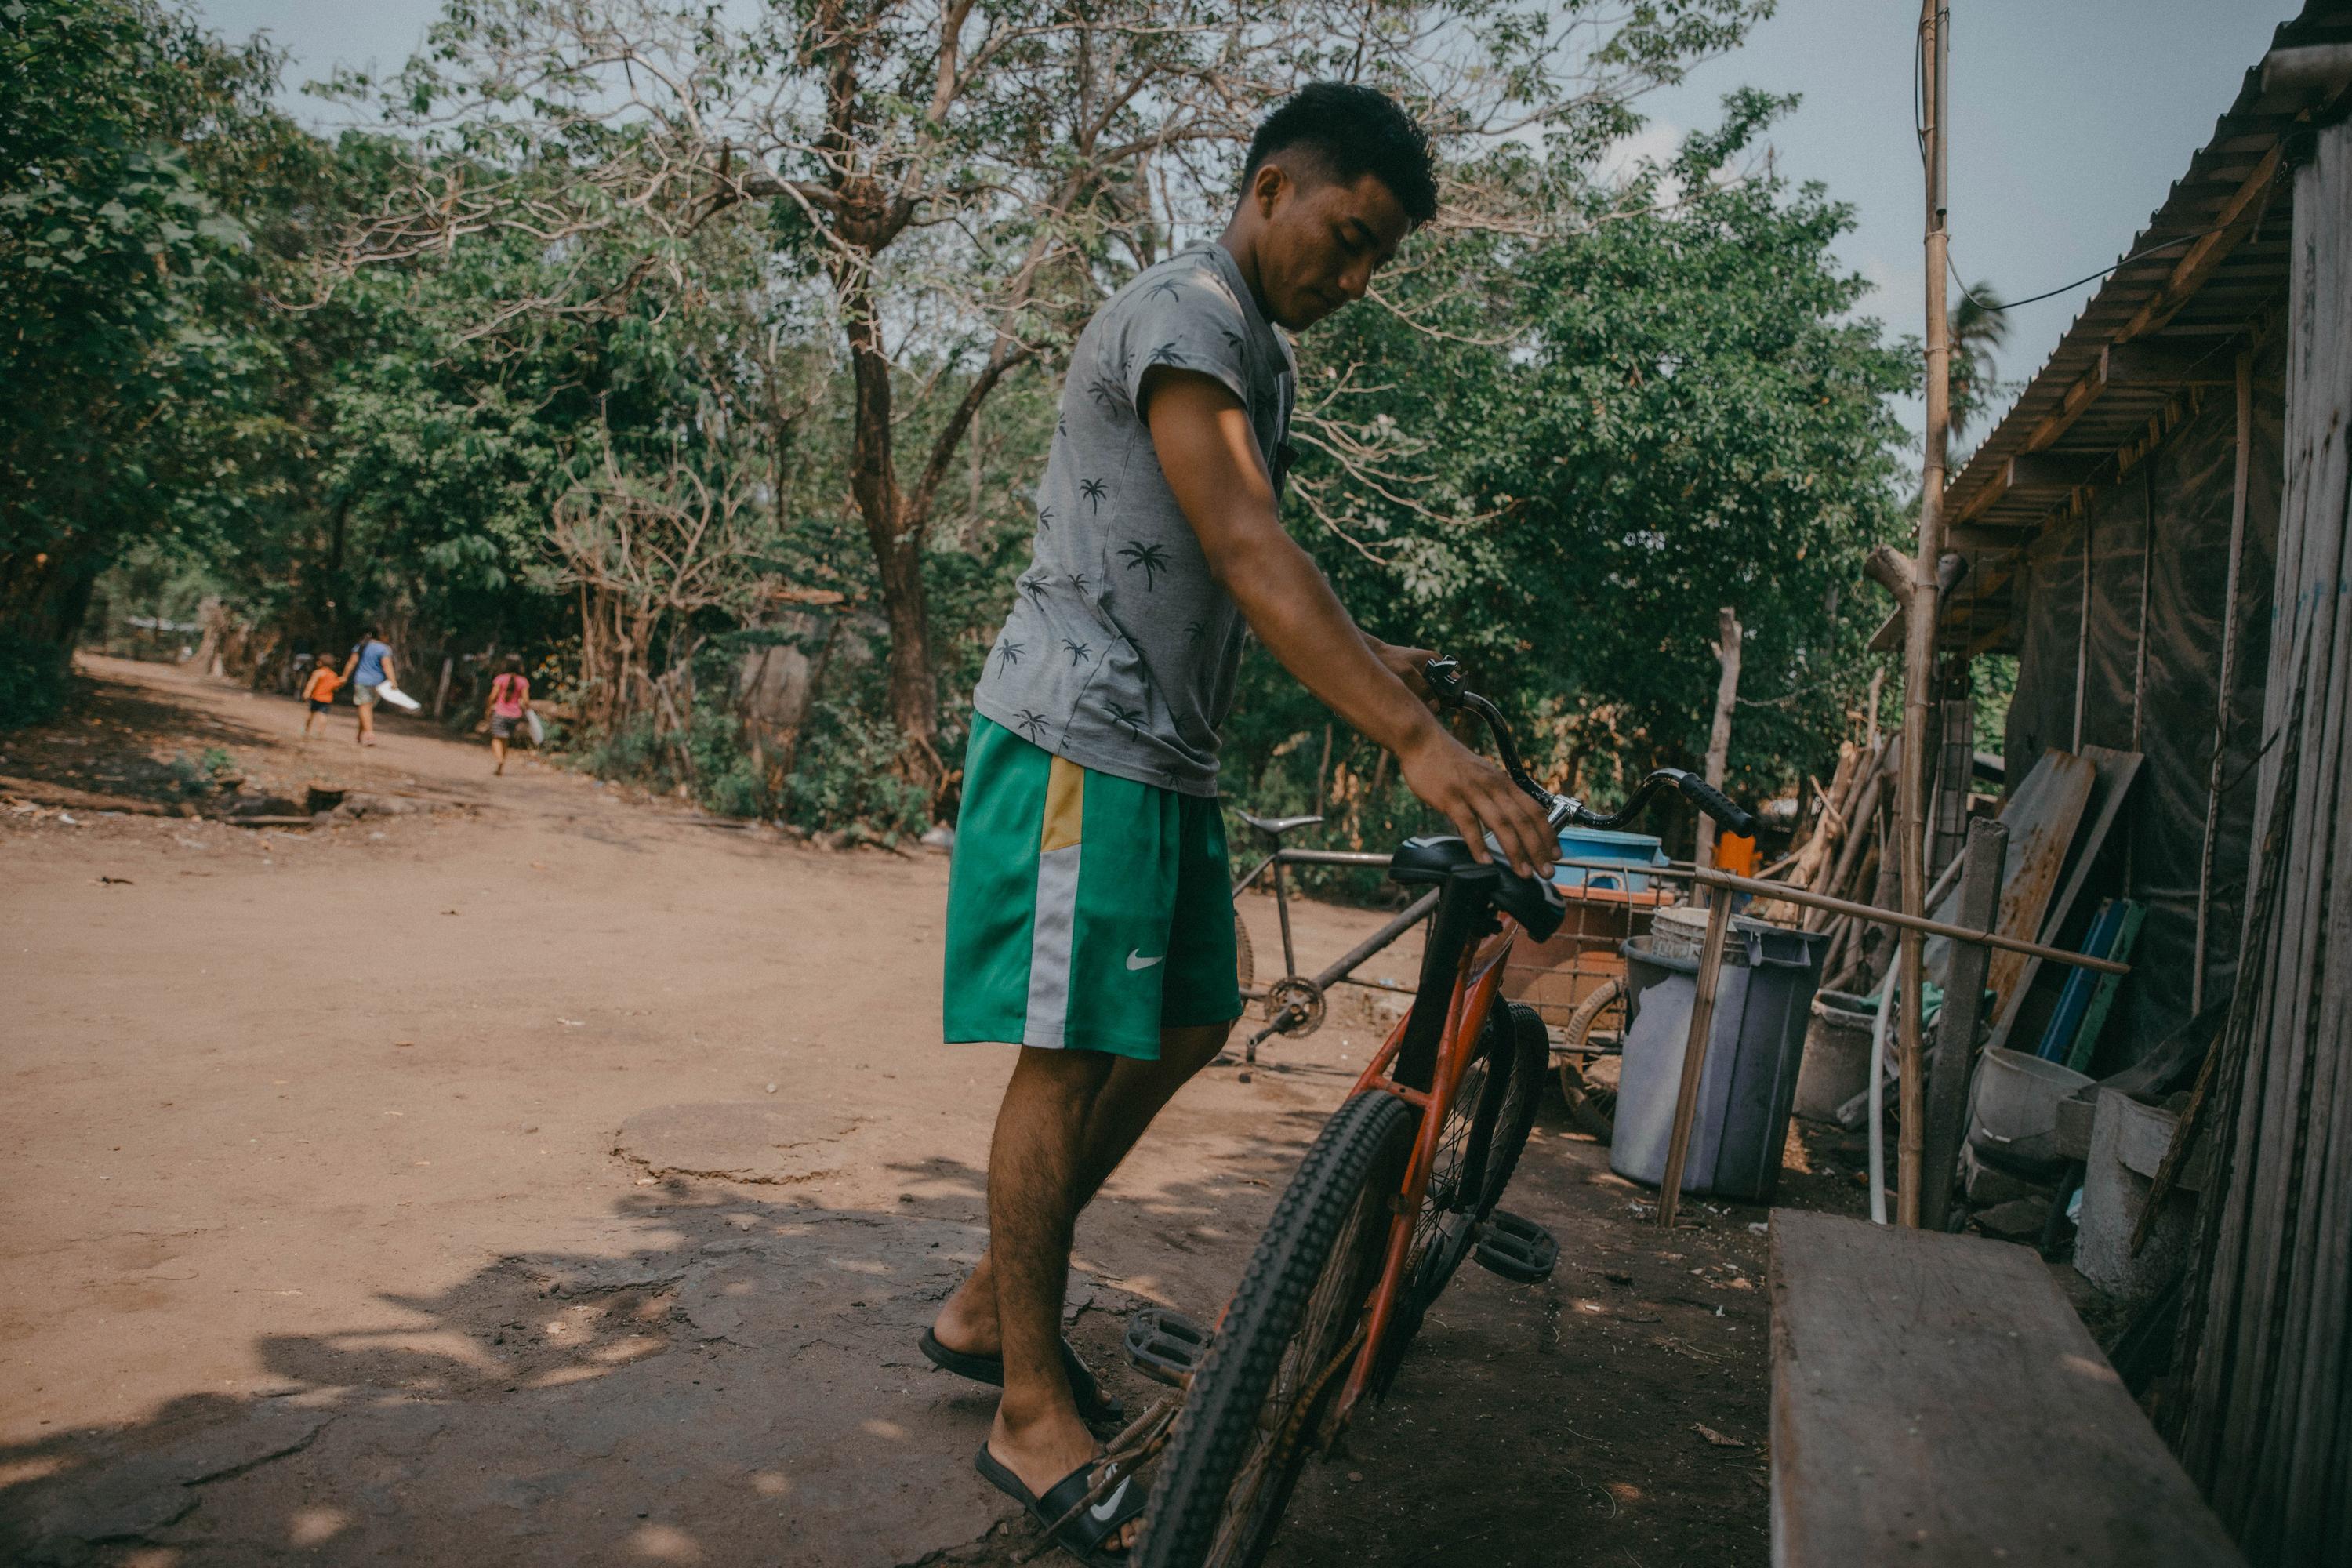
{"x": 1353, "y": 130}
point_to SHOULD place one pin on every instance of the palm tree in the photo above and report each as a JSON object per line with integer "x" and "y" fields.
{"x": 1094, "y": 490}
{"x": 1152, "y": 558}
{"x": 1033, "y": 725}
{"x": 1078, "y": 580}
{"x": 1045, "y": 519}
{"x": 1193, "y": 630}
{"x": 1078, "y": 651}
{"x": 1008, "y": 652}
{"x": 1165, "y": 286}
{"x": 1979, "y": 326}
{"x": 1130, "y": 717}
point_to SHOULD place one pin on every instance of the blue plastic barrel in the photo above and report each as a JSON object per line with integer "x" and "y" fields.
{"x": 1593, "y": 844}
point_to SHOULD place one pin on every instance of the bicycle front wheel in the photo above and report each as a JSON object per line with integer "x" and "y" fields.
{"x": 1281, "y": 1356}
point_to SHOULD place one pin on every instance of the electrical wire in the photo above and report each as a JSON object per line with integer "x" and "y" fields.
{"x": 2077, "y": 283}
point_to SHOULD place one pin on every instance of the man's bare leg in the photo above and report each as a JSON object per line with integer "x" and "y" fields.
{"x": 1124, "y": 1107}
{"x": 1034, "y": 1163}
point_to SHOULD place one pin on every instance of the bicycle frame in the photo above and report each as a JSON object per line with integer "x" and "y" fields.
{"x": 1477, "y": 974}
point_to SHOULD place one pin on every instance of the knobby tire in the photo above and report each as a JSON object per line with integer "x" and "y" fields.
{"x": 1238, "y": 1446}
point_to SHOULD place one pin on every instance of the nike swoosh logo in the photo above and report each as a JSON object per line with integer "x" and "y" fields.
{"x": 1135, "y": 959}
{"x": 1104, "y": 1510}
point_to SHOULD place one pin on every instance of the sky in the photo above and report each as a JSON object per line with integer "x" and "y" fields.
{"x": 2070, "y": 120}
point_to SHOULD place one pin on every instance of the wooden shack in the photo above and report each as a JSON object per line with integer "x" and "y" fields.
{"x": 2158, "y": 530}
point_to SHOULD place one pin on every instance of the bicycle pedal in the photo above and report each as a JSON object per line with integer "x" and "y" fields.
{"x": 1165, "y": 1345}
{"x": 1518, "y": 1249}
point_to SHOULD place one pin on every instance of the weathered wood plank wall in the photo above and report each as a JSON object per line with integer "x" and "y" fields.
{"x": 2268, "y": 1425}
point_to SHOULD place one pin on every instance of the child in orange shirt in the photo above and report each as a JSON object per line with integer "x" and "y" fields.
{"x": 319, "y": 689}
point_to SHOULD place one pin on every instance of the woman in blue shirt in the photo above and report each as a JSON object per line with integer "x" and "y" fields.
{"x": 368, "y": 667}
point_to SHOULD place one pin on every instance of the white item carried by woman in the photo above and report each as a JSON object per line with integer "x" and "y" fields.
{"x": 537, "y": 730}
{"x": 401, "y": 700}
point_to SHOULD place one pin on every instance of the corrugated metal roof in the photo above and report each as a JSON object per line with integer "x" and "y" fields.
{"x": 2158, "y": 326}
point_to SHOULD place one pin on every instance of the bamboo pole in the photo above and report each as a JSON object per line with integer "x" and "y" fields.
{"x": 2222, "y": 681}
{"x": 1920, "y": 651}
{"x": 1718, "y": 741}
{"x": 1702, "y": 1030}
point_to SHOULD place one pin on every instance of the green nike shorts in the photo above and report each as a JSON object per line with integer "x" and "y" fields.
{"x": 1084, "y": 912}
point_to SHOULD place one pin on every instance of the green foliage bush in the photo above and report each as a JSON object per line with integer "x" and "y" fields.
{"x": 33, "y": 680}
{"x": 847, "y": 777}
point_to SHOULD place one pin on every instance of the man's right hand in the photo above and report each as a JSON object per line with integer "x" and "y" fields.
{"x": 1476, "y": 796}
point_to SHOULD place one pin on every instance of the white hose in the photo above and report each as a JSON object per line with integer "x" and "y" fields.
{"x": 1889, "y": 997}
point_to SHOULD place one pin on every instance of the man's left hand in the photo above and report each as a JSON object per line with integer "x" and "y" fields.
{"x": 1407, "y": 664}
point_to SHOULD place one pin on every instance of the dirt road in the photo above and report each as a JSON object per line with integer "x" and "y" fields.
{"x": 536, "y": 1175}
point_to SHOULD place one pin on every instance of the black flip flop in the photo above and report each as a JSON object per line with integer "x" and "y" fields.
{"x": 1083, "y": 1536}
{"x": 1093, "y": 1403}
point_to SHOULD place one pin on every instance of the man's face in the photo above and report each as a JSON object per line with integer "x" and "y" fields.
{"x": 1322, "y": 239}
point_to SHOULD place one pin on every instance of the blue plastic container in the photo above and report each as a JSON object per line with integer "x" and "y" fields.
{"x": 1634, "y": 849}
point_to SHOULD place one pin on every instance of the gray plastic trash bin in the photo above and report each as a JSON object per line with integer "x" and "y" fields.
{"x": 1763, "y": 999}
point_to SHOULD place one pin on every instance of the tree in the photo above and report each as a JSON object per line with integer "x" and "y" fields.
{"x": 967, "y": 179}
{"x": 128, "y": 357}
{"x": 1605, "y": 431}
{"x": 1980, "y": 325}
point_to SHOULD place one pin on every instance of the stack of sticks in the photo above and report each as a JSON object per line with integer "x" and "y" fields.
{"x": 1847, "y": 827}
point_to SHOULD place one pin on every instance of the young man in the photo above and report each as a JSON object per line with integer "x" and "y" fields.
{"x": 1089, "y": 913}
{"x": 369, "y": 667}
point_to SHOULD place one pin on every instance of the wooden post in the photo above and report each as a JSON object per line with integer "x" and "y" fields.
{"x": 1919, "y": 645}
{"x": 1702, "y": 1029}
{"x": 1719, "y": 739}
{"x": 1956, "y": 1032}
{"x": 441, "y": 697}
{"x": 2227, "y": 676}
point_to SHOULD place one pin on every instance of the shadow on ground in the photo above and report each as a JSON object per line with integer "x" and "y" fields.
{"x": 739, "y": 1384}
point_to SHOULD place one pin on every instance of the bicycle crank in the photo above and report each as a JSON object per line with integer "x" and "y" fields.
{"x": 1296, "y": 1004}
{"x": 1518, "y": 1249}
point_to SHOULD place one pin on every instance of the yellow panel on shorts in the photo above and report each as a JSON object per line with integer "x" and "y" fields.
{"x": 1065, "y": 797}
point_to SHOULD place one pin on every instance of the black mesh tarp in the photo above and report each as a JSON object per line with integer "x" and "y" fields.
{"x": 2156, "y": 547}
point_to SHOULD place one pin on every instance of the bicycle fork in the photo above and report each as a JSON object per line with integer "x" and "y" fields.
{"x": 1476, "y": 974}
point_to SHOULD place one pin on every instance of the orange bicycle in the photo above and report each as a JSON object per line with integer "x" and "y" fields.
{"x": 1401, "y": 1187}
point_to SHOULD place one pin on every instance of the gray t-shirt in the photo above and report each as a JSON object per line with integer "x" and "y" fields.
{"x": 1120, "y": 650}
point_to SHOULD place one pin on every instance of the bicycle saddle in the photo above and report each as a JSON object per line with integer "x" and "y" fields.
{"x": 1532, "y": 901}
{"x": 1275, "y": 825}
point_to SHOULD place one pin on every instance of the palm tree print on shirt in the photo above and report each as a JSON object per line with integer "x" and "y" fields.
{"x": 1152, "y": 558}
{"x": 1078, "y": 651}
{"x": 1131, "y": 719}
{"x": 1165, "y": 286}
{"x": 1078, "y": 580}
{"x": 1045, "y": 519}
{"x": 1193, "y": 630}
{"x": 1094, "y": 490}
{"x": 1031, "y": 725}
{"x": 1008, "y": 653}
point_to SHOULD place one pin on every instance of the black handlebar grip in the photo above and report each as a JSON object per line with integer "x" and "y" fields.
{"x": 1445, "y": 678}
{"x": 1716, "y": 804}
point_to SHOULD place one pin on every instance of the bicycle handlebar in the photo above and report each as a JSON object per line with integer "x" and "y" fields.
{"x": 1445, "y": 676}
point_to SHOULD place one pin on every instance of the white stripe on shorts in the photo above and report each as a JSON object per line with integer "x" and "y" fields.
{"x": 1052, "y": 934}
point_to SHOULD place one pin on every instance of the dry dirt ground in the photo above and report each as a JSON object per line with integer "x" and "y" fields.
{"x": 543, "y": 1176}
